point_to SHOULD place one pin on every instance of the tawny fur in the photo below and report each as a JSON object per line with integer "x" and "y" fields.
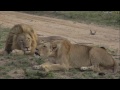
{"x": 67, "y": 55}
{"x": 11, "y": 42}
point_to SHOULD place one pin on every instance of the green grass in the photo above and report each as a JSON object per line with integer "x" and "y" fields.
{"x": 3, "y": 36}
{"x": 97, "y": 17}
{"x": 36, "y": 74}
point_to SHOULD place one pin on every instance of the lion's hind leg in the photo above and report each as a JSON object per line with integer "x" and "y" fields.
{"x": 87, "y": 68}
{"x": 94, "y": 68}
{"x": 115, "y": 68}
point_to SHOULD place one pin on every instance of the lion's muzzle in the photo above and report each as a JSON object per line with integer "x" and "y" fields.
{"x": 36, "y": 53}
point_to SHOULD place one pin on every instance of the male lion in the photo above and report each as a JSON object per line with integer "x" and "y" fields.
{"x": 62, "y": 55}
{"x": 21, "y": 37}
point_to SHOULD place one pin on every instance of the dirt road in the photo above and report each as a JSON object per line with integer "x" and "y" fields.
{"x": 76, "y": 32}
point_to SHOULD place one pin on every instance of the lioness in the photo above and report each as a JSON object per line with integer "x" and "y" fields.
{"x": 65, "y": 55}
{"x": 21, "y": 37}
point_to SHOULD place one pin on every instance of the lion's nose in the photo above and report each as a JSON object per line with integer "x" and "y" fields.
{"x": 27, "y": 48}
{"x": 36, "y": 49}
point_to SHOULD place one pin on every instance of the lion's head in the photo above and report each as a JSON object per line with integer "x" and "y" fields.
{"x": 46, "y": 46}
{"x": 24, "y": 41}
{"x": 52, "y": 49}
{"x": 44, "y": 50}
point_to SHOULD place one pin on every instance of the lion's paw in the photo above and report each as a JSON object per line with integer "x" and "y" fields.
{"x": 87, "y": 68}
{"x": 17, "y": 52}
{"x": 41, "y": 67}
{"x": 36, "y": 67}
{"x": 84, "y": 68}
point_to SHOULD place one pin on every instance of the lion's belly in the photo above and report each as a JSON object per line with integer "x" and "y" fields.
{"x": 78, "y": 62}
{"x": 79, "y": 57}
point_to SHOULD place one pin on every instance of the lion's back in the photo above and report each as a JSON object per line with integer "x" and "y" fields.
{"x": 101, "y": 56}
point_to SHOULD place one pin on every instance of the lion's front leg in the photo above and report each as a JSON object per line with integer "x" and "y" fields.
{"x": 17, "y": 52}
{"x": 50, "y": 67}
{"x": 42, "y": 66}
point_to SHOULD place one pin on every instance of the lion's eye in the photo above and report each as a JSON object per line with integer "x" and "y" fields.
{"x": 53, "y": 48}
{"x": 21, "y": 40}
{"x": 44, "y": 46}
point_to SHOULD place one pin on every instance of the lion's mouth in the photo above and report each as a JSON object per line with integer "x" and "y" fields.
{"x": 28, "y": 51}
{"x": 36, "y": 53}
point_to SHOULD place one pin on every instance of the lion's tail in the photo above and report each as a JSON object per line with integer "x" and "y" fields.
{"x": 115, "y": 68}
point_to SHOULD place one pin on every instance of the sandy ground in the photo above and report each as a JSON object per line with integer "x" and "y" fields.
{"x": 75, "y": 32}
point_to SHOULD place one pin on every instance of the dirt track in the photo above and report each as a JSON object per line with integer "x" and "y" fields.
{"x": 76, "y": 32}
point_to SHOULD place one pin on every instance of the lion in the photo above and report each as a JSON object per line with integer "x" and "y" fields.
{"x": 21, "y": 37}
{"x": 63, "y": 55}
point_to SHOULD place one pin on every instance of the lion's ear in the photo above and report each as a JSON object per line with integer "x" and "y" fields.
{"x": 54, "y": 47}
{"x": 32, "y": 30}
{"x": 42, "y": 41}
